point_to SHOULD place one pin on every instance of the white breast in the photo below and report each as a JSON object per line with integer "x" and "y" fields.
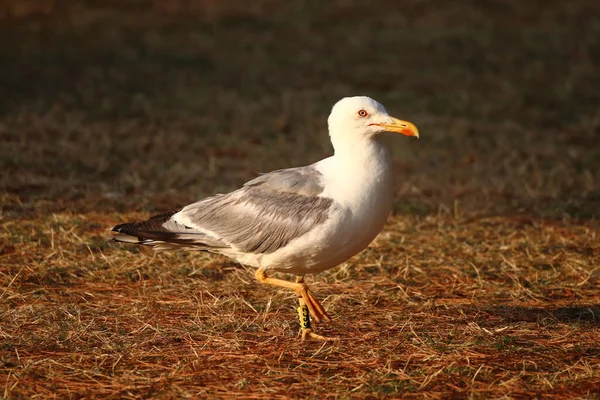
{"x": 361, "y": 186}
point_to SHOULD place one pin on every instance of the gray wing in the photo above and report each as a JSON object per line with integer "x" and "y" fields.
{"x": 302, "y": 181}
{"x": 265, "y": 214}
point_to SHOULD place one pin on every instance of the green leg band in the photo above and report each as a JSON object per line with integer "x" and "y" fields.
{"x": 304, "y": 316}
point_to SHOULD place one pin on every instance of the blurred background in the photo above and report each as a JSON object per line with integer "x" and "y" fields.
{"x": 147, "y": 105}
{"x": 484, "y": 284}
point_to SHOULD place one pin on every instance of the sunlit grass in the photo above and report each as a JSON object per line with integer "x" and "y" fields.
{"x": 483, "y": 284}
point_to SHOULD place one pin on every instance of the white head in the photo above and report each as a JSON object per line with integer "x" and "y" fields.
{"x": 360, "y": 118}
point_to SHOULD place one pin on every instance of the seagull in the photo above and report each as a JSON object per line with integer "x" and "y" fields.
{"x": 298, "y": 221}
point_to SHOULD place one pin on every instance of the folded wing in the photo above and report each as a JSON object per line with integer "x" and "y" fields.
{"x": 264, "y": 215}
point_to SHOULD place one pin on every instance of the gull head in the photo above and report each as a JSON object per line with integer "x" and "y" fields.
{"x": 361, "y": 117}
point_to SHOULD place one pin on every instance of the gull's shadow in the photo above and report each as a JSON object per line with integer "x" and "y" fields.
{"x": 569, "y": 315}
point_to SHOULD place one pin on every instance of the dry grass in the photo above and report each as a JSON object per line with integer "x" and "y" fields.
{"x": 483, "y": 284}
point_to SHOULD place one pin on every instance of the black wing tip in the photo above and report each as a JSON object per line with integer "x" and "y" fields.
{"x": 152, "y": 223}
{"x": 149, "y": 230}
{"x": 117, "y": 228}
{"x": 130, "y": 228}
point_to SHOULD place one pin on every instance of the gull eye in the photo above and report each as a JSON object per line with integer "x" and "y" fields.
{"x": 362, "y": 113}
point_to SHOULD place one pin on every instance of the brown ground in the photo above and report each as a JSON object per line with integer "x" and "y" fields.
{"x": 483, "y": 284}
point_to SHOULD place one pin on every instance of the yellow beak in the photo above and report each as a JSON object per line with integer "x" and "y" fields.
{"x": 399, "y": 126}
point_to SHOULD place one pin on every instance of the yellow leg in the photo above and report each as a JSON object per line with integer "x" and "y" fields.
{"x": 315, "y": 308}
{"x": 304, "y": 317}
